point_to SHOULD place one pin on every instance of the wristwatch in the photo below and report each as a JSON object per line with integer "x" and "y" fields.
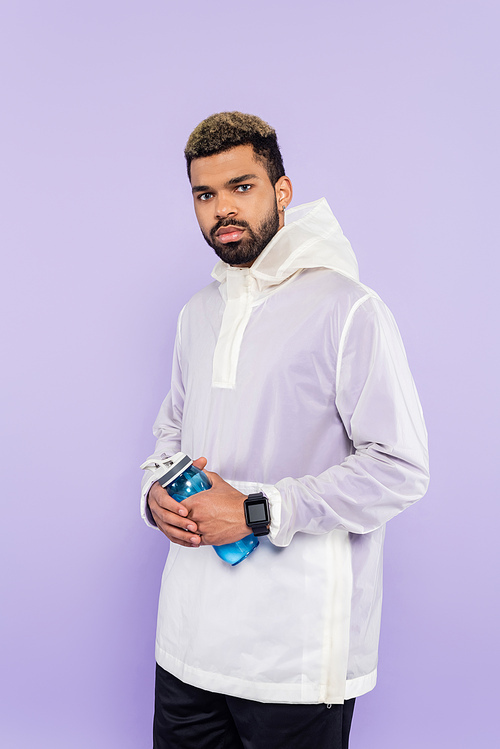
{"x": 257, "y": 515}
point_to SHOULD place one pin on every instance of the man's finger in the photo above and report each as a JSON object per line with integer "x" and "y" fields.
{"x": 181, "y": 537}
{"x": 163, "y": 499}
{"x": 178, "y": 536}
{"x": 170, "y": 519}
{"x": 200, "y": 463}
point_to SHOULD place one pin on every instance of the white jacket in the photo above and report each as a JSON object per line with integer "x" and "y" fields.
{"x": 291, "y": 378}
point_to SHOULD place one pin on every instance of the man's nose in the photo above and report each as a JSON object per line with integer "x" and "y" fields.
{"x": 224, "y": 206}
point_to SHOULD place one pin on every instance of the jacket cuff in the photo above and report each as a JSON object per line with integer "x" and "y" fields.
{"x": 274, "y": 497}
{"x": 146, "y": 515}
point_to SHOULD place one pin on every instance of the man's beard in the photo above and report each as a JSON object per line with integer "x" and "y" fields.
{"x": 247, "y": 249}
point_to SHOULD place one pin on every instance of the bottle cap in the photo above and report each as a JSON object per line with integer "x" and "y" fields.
{"x": 174, "y": 465}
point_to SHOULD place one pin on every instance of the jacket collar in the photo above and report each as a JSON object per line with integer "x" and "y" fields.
{"x": 311, "y": 238}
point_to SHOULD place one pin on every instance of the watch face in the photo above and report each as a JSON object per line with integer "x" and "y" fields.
{"x": 257, "y": 512}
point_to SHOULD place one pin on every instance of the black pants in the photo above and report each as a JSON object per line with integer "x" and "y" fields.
{"x": 190, "y": 718}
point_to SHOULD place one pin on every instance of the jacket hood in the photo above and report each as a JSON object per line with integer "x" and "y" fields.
{"x": 311, "y": 238}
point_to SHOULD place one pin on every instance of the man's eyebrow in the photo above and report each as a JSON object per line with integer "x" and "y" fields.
{"x": 243, "y": 178}
{"x": 233, "y": 181}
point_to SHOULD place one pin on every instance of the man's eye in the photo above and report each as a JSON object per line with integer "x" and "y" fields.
{"x": 205, "y": 196}
{"x": 243, "y": 188}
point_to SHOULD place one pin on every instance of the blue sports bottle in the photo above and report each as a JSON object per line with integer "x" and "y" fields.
{"x": 181, "y": 480}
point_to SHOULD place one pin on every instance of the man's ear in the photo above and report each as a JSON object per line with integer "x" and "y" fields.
{"x": 284, "y": 193}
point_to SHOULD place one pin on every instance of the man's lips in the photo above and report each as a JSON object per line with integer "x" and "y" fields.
{"x": 229, "y": 234}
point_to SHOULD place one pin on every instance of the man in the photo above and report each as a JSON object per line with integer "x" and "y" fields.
{"x": 290, "y": 378}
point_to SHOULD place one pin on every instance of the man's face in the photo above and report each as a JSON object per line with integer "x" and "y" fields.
{"x": 235, "y": 204}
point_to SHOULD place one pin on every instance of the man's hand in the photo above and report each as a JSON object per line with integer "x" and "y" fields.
{"x": 209, "y": 518}
{"x": 218, "y": 512}
{"x": 171, "y": 516}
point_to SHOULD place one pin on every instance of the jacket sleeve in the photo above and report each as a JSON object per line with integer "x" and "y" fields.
{"x": 167, "y": 427}
{"x": 387, "y": 469}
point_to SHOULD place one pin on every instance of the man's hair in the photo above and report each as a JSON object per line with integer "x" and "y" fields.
{"x": 225, "y": 130}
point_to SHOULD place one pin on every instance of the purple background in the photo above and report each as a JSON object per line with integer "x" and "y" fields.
{"x": 389, "y": 109}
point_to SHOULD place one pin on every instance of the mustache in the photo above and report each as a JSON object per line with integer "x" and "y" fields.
{"x": 227, "y": 222}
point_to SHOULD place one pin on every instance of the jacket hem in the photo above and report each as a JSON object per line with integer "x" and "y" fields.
{"x": 257, "y": 691}
{"x": 360, "y": 685}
